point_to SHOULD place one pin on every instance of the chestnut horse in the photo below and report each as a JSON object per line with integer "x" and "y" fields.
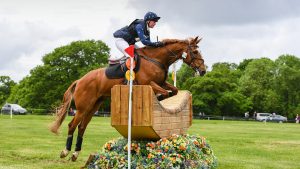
{"x": 89, "y": 91}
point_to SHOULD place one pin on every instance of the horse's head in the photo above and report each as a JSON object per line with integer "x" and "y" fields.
{"x": 193, "y": 57}
{"x": 175, "y": 49}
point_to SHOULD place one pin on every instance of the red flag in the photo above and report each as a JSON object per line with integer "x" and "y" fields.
{"x": 130, "y": 50}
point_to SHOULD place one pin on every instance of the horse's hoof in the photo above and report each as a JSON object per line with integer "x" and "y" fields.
{"x": 64, "y": 153}
{"x": 74, "y": 156}
{"x": 160, "y": 97}
{"x": 170, "y": 93}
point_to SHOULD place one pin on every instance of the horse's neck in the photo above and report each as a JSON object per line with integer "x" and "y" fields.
{"x": 165, "y": 55}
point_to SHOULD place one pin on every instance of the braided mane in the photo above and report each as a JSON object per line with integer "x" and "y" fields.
{"x": 168, "y": 42}
{"x": 171, "y": 41}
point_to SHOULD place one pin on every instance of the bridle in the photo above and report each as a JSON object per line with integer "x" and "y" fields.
{"x": 193, "y": 57}
{"x": 189, "y": 50}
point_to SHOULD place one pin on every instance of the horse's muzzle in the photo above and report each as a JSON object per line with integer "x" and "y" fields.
{"x": 201, "y": 72}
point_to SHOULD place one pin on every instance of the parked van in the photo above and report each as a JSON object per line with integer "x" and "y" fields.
{"x": 262, "y": 116}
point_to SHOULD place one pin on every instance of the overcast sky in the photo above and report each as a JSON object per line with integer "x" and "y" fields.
{"x": 232, "y": 30}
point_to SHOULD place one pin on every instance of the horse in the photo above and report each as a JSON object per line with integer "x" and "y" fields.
{"x": 89, "y": 91}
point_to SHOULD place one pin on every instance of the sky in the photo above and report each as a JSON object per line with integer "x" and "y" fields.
{"x": 232, "y": 30}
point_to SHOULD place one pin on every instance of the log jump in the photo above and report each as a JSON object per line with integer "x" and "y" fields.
{"x": 151, "y": 119}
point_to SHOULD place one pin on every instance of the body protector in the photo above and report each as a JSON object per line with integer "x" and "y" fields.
{"x": 137, "y": 30}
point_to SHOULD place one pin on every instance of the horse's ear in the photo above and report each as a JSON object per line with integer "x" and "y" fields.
{"x": 198, "y": 40}
{"x": 195, "y": 40}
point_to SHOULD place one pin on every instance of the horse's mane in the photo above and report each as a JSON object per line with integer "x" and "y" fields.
{"x": 169, "y": 41}
{"x": 172, "y": 41}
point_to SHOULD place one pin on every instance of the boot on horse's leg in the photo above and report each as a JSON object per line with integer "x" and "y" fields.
{"x": 81, "y": 129}
{"x": 160, "y": 97}
{"x": 77, "y": 149}
{"x": 171, "y": 93}
{"x": 66, "y": 151}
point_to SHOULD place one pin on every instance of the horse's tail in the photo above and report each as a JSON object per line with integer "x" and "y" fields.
{"x": 62, "y": 110}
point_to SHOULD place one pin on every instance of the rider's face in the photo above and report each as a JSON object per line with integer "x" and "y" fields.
{"x": 151, "y": 24}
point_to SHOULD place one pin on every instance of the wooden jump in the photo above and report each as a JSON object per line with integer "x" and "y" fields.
{"x": 151, "y": 119}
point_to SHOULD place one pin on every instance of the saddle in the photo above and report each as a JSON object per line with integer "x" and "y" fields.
{"x": 118, "y": 70}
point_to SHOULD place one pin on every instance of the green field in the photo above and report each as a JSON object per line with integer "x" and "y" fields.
{"x": 27, "y": 143}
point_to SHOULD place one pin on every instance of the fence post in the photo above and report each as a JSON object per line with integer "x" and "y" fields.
{"x": 10, "y": 112}
{"x": 130, "y": 52}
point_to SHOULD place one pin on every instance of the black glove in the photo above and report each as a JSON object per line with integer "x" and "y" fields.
{"x": 158, "y": 44}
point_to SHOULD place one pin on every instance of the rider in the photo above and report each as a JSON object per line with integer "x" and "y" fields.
{"x": 138, "y": 30}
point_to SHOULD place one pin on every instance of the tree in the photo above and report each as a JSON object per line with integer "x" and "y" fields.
{"x": 257, "y": 83}
{"x": 6, "y": 85}
{"x": 46, "y": 84}
{"x": 242, "y": 66}
{"x": 184, "y": 73}
{"x": 287, "y": 83}
{"x": 216, "y": 93}
{"x": 233, "y": 103}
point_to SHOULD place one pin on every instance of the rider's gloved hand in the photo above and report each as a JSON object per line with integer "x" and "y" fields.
{"x": 158, "y": 44}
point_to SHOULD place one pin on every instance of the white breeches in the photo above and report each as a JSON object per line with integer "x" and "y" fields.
{"x": 121, "y": 45}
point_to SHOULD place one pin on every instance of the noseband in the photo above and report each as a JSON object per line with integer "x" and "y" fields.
{"x": 193, "y": 57}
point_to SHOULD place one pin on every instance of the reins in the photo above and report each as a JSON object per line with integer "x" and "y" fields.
{"x": 173, "y": 55}
{"x": 153, "y": 61}
{"x": 157, "y": 63}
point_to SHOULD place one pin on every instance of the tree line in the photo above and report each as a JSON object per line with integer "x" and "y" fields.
{"x": 254, "y": 85}
{"x": 228, "y": 89}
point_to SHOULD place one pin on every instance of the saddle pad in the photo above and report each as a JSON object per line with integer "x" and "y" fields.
{"x": 118, "y": 71}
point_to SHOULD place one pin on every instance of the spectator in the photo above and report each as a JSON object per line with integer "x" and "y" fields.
{"x": 254, "y": 115}
{"x": 297, "y": 118}
{"x": 71, "y": 112}
{"x": 247, "y": 115}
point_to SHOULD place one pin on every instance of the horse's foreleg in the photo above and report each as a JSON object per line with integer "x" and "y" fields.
{"x": 159, "y": 90}
{"x": 72, "y": 126}
{"x": 169, "y": 86}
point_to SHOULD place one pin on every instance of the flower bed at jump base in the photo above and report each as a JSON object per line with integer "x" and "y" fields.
{"x": 177, "y": 151}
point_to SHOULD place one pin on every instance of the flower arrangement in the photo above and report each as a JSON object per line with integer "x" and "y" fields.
{"x": 177, "y": 151}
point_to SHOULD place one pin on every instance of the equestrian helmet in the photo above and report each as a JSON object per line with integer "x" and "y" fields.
{"x": 151, "y": 16}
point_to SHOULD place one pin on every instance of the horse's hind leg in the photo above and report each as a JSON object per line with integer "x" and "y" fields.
{"x": 81, "y": 129}
{"x": 72, "y": 127}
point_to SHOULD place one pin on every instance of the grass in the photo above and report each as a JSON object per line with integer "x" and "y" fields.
{"x": 27, "y": 143}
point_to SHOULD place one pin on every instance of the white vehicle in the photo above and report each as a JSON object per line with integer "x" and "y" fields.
{"x": 14, "y": 108}
{"x": 277, "y": 118}
{"x": 262, "y": 116}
